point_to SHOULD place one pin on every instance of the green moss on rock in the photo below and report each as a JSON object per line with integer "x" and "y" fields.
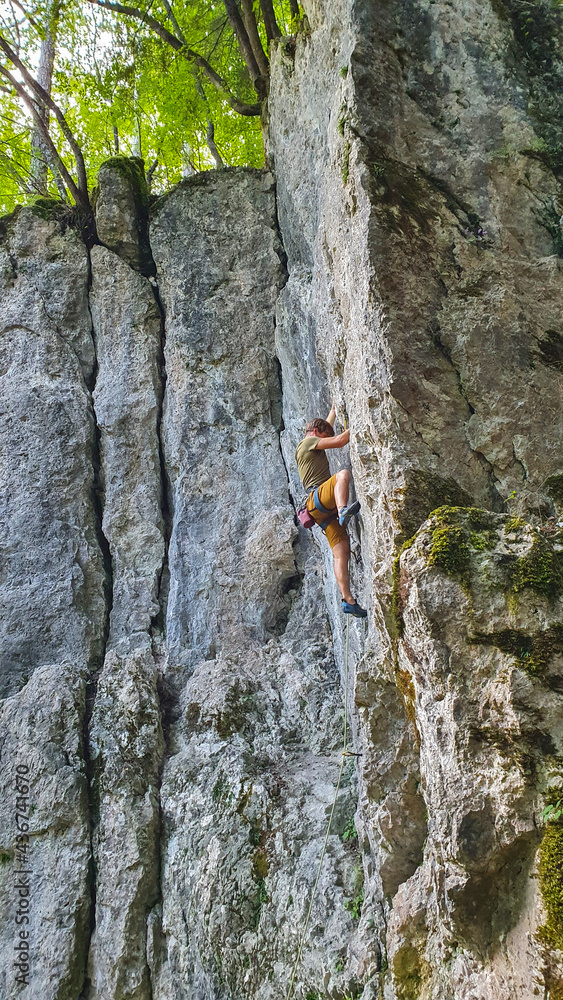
{"x": 540, "y": 570}
{"x": 398, "y": 624}
{"x": 423, "y": 493}
{"x": 49, "y": 208}
{"x": 514, "y": 525}
{"x": 537, "y": 26}
{"x": 260, "y": 865}
{"x": 532, "y": 652}
{"x": 460, "y": 532}
{"x": 450, "y": 550}
{"x": 483, "y": 541}
{"x": 551, "y": 884}
{"x": 132, "y": 168}
{"x": 410, "y": 971}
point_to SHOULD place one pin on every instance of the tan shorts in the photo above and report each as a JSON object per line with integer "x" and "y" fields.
{"x": 334, "y": 531}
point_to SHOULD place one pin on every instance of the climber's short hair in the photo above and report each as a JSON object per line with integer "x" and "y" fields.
{"x": 320, "y": 425}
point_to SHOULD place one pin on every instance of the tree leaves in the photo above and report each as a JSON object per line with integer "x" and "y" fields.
{"x": 122, "y": 86}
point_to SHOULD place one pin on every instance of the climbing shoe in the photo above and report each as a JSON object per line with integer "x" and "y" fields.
{"x": 345, "y": 513}
{"x": 354, "y": 609}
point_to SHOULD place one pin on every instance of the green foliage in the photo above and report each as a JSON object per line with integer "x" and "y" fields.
{"x": 350, "y": 832}
{"x": 220, "y": 788}
{"x": 553, "y": 811}
{"x": 354, "y": 905}
{"x": 346, "y": 162}
{"x": 129, "y": 92}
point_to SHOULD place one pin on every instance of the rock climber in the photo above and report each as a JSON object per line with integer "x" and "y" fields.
{"x": 327, "y": 501}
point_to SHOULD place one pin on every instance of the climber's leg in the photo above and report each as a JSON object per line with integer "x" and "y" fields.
{"x": 342, "y": 488}
{"x": 341, "y": 556}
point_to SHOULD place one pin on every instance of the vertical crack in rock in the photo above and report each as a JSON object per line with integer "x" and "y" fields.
{"x": 158, "y": 625}
{"x": 125, "y": 728}
{"x": 96, "y": 665}
{"x": 166, "y": 699}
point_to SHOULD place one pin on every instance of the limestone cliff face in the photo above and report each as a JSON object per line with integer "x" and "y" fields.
{"x": 173, "y": 653}
{"x": 421, "y": 238}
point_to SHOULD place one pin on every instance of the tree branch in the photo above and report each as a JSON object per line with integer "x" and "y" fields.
{"x": 255, "y": 40}
{"x": 249, "y": 110}
{"x": 210, "y": 134}
{"x": 28, "y": 16}
{"x": 70, "y": 183}
{"x": 150, "y": 172}
{"x": 294, "y": 8}
{"x": 241, "y": 34}
{"x": 47, "y": 101}
{"x": 270, "y": 23}
{"x": 174, "y": 21}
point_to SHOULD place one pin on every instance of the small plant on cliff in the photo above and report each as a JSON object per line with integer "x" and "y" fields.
{"x": 350, "y": 832}
{"x": 553, "y": 811}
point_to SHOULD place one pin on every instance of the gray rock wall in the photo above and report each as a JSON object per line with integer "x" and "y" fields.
{"x": 173, "y": 653}
{"x": 415, "y": 234}
{"x": 179, "y": 716}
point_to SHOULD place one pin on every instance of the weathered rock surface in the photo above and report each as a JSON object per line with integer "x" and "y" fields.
{"x": 52, "y": 605}
{"x": 122, "y": 203}
{"x": 183, "y": 724}
{"x": 126, "y": 749}
{"x": 45, "y": 872}
{"x": 127, "y": 400}
{"x": 481, "y": 659}
{"x": 251, "y": 747}
{"x": 414, "y": 239}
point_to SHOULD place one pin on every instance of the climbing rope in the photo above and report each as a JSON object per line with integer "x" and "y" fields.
{"x": 345, "y": 754}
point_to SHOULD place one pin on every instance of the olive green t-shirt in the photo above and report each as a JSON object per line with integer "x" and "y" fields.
{"x": 311, "y": 464}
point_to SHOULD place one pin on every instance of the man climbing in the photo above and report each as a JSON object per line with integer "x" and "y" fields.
{"x": 328, "y": 498}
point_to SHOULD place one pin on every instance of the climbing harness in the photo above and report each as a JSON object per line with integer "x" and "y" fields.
{"x": 307, "y": 519}
{"x": 345, "y": 753}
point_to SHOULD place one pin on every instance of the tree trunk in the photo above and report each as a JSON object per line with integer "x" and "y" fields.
{"x": 39, "y": 158}
{"x": 241, "y": 35}
{"x": 270, "y": 23}
{"x": 211, "y": 144}
{"x": 255, "y": 40}
{"x": 294, "y": 8}
{"x": 210, "y": 133}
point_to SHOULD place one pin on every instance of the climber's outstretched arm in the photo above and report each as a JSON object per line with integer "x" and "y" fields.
{"x": 338, "y": 441}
